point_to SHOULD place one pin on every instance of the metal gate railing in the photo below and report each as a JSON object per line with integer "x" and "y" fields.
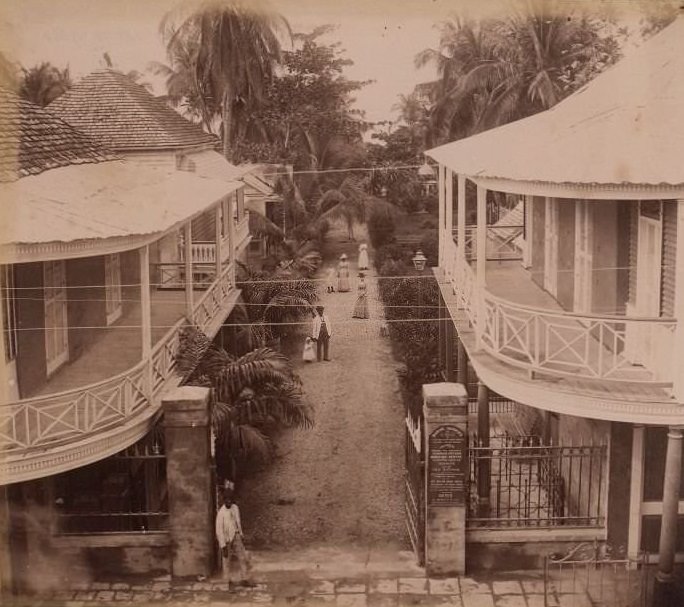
{"x": 530, "y": 484}
{"x": 588, "y": 575}
{"x": 414, "y": 499}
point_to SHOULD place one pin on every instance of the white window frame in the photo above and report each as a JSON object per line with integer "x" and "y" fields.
{"x": 584, "y": 256}
{"x": 551, "y": 245}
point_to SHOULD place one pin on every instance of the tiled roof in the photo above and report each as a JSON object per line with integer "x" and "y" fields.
{"x": 111, "y": 108}
{"x": 33, "y": 140}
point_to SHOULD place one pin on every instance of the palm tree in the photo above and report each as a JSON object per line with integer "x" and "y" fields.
{"x": 43, "y": 83}
{"x": 351, "y": 202}
{"x": 237, "y": 49}
{"x": 252, "y": 395}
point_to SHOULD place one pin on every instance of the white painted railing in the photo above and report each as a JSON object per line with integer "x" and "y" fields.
{"x": 55, "y": 419}
{"x": 501, "y": 242}
{"x": 555, "y": 342}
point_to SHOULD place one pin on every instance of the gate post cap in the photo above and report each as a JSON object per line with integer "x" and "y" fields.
{"x": 441, "y": 392}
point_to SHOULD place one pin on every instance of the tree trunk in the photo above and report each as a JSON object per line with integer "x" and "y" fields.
{"x": 227, "y": 117}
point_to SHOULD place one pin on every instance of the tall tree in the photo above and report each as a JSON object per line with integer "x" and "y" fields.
{"x": 508, "y": 68}
{"x": 43, "y": 83}
{"x": 238, "y": 47}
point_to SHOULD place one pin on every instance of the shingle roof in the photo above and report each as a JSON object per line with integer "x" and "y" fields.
{"x": 624, "y": 127}
{"x": 33, "y": 140}
{"x": 110, "y": 107}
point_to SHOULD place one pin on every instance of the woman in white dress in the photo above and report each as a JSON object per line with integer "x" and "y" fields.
{"x": 361, "y": 306}
{"x": 363, "y": 256}
{"x": 343, "y": 285}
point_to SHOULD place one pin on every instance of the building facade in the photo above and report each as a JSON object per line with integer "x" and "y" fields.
{"x": 562, "y": 276}
{"x": 104, "y": 261}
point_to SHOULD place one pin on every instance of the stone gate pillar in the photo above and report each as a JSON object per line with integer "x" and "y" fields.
{"x": 189, "y": 479}
{"x": 445, "y": 413}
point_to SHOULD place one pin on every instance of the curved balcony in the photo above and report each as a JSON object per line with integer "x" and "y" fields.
{"x": 519, "y": 336}
{"x": 52, "y": 433}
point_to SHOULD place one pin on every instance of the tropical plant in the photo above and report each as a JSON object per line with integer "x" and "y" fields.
{"x": 503, "y": 69}
{"x": 238, "y": 47}
{"x": 43, "y": 83}
{"x": 252, "y": 396}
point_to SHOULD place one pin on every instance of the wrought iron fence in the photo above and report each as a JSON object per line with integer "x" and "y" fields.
{"x": 589, "y": 575}
{"x": 516, "y": 481}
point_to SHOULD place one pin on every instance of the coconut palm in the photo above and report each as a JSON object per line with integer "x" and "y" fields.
{"x": 252, "y": 395}
{"x": 43, "y": 83}
{"x": 237, "y": 49}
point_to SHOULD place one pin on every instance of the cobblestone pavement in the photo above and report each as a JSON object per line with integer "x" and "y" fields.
{"x": 524, "y": 590}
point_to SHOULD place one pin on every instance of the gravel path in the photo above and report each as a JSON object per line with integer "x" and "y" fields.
{"x": 340, "y": 483}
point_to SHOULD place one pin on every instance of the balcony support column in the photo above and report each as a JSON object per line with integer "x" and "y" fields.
{"x": 146, "y": 313}
{"x": 461, "y": 216}
{"x": 441, "y": 233}
{"x": 483, "y": 468}
{"x": 462, "y": 364}
{"x": 449, "y": 345}
{"x": 189, "y": 287}
{"x": 217, "y": 237}
{"x": 481, "y": 262}
{"x": 664, "y": 591}
{"x": 231, "y": 236}
{"x": 678, "y": 386}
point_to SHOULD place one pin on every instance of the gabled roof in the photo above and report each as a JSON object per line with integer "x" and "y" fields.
{"x": 624, "y": 127}
{"x": 33, "y": 140}
{"x": 111, "y": 108}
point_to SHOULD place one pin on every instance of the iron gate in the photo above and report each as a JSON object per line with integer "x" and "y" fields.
{"x": 414, "y": 499}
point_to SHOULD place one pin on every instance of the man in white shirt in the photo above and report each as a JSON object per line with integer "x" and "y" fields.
{"x": 321, "y": 332}
{"x": 229, "y": 536}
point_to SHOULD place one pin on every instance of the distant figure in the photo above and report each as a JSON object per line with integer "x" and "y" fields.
{"x": 363, "y": 256}
{"x": 361, "y": 307}
{"x": 229, "y": 536}
{"x": 343, "y": 285}
{"x": 321, "y": 332}
{"x": 308, "y": 355}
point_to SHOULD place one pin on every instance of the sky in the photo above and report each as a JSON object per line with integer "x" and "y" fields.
{"x": 382, "y": 37}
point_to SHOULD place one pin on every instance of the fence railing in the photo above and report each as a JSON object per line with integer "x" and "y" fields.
{"x": 84, "y": 411}
{"x": 585, "y": 576}
{"x": 587, "y": 346}
{"x": 534, "y": 485}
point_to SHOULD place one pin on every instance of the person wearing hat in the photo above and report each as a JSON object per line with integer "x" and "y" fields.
{"x": 361, "y": 306}
{"x": 343, "y": 285}
{"x": 321, "y": 332}
{"x": 363, "y": 256}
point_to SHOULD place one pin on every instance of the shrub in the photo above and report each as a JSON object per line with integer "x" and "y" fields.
{"x": 391, "y": 252}
{"x": 430, "y": 247}
{"x": 380, "y": 229}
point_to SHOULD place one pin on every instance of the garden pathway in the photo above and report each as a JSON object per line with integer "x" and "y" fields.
{"x": 341, "y": 483}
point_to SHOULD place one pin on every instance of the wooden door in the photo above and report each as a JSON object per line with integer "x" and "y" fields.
{"x": 56, "y": 323}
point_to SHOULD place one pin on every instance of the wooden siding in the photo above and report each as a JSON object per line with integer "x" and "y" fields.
{"x": 538, "y": 236}
{"x": 667, "y": 283}
{"x": 566, "y": 253}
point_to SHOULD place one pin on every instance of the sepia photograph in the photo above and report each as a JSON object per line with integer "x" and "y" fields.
{"x": 342, "y": 302}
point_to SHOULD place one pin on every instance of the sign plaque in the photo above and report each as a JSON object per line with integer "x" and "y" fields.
{"x": 447, "y": 460}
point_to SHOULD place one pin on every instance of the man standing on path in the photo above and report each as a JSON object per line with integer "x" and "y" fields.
{"x": 229, "y": 536}
{"x": 321, "y": 333}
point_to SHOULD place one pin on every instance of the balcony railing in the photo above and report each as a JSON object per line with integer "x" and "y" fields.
{"x": 35, "y": 424}
{"x": 502, "y": 242}
{"x": 586, "y": 346}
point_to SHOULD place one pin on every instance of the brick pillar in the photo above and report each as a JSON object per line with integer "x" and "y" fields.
{"x": 445, "y": 412}
{"x": 188, "y": 472}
